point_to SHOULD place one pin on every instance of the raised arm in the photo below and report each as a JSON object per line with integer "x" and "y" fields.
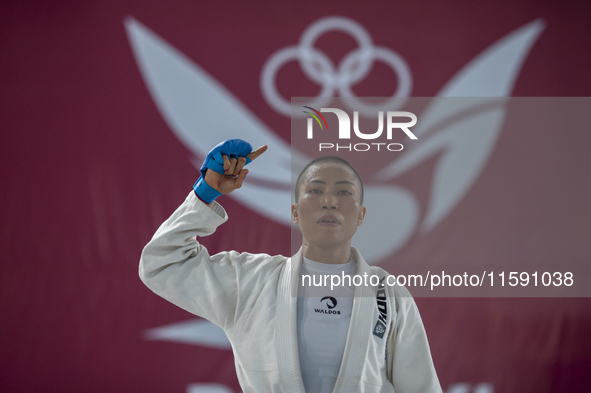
{"x": 175, "y": 266}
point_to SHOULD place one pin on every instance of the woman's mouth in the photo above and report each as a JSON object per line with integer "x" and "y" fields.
{"x": 329, "y": 220}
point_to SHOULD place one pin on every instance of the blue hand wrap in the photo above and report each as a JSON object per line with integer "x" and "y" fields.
{"x": 233, "y": 148}
{"x": 204, "y": 191}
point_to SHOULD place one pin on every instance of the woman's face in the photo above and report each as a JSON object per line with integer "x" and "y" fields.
{"x": 329, "y": 207}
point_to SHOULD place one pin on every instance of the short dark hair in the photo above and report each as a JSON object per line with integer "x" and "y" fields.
{"x": 320, "y": 160}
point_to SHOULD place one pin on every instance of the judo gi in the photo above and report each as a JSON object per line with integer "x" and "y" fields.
{"x": 253, "y": 298}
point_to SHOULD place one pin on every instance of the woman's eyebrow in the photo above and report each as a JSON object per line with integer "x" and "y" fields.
{"x": 338, "y": 182}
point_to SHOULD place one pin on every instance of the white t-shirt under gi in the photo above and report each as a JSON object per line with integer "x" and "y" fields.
{"x": 323, "y": 317}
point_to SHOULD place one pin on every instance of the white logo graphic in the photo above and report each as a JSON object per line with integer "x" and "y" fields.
{"x": 468, "y": 388}
{"x": 193, "y": 331}
{"x": 319, "y": 68}
{"x": 193, "y": 104}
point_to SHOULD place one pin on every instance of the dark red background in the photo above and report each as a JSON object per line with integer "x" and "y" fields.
{"x": 90, "y": 169}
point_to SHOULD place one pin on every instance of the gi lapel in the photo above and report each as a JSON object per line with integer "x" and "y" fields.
{"x": 360, "y": 328}
{"x": 290, "y": 375}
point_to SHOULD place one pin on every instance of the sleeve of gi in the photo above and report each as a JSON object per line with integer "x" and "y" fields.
{"x": 409, "y": 358}
{"x": 175, "y": 266}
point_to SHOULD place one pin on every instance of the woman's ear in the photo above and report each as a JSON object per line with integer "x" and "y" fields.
{"x": 294, "y": 213}
{"x": 361, "y": 216}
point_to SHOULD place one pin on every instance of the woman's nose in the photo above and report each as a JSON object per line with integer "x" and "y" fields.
{"x": 329, "y": 201}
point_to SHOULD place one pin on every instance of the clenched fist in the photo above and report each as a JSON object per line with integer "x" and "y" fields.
{"x": 223, "y": 169}
{"x": 234, "y": 172}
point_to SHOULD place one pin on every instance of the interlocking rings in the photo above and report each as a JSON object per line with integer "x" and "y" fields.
{"x": 319, "y": 68}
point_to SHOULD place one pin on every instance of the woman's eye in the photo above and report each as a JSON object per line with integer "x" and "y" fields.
{"x": 314, "y": 191}
{"x": 345, "y": 192}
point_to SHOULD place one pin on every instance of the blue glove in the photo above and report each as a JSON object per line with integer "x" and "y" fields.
{"x": 233, "y": 148}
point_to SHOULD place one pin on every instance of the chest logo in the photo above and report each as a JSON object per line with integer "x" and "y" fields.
{"x": 331, "y": 303}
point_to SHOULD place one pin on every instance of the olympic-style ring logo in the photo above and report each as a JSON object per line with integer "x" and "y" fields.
{"x": 319, "y": 68}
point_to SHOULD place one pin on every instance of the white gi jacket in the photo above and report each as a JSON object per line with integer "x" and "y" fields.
{"x": 252, "y": 297}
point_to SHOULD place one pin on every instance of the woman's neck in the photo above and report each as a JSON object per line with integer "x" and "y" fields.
{"x": 327, "y": 254}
